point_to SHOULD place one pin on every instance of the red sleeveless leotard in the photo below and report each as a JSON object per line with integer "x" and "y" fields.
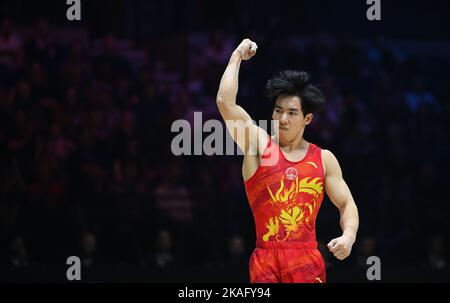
{"x": 285, "y": 198}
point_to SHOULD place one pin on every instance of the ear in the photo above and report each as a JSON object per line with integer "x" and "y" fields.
{"x": 308, "y": 118}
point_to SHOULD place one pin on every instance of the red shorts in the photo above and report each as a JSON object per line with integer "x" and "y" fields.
{"x": 287, "y": 262}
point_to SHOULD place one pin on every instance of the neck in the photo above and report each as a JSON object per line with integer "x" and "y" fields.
{"x": 298, "y": 143}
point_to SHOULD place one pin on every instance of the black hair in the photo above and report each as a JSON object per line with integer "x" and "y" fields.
{"x": 296, "y": 83}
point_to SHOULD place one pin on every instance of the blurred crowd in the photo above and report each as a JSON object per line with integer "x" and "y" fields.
{"x": 87, "y": 170}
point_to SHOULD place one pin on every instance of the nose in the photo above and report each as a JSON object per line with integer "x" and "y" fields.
{"x": 283, "y": 119}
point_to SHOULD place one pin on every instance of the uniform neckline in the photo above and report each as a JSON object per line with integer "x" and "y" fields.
{"x": 299, "y": 161}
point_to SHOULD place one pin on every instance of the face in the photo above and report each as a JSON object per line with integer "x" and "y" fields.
{"x": 289, "y": 114}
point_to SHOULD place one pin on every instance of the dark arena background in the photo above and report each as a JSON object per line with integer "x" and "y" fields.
{"x": 86, "y": 108}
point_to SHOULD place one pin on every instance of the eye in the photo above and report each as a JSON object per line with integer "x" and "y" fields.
{"x": 292, "y": 113}
{"x": 277, "y": 110}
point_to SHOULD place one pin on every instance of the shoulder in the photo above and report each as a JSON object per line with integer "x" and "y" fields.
{"x": 329, "y": 161}
{"x": 327, "y": 154}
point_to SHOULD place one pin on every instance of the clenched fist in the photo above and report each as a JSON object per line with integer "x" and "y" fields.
{"x": 246, "y": 49}
{"x": 341, "y": 247}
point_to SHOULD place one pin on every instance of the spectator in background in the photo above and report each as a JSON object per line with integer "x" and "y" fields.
{"x": 11, "y": 52}
{"x": 366, "y": 248}
{"x": 18, "y": 254}
{"x": 436, "y": 255}
{"x": 164, "y": 257}
{"x": 42, "y": 44}
{"x": 88, "y": 250}
{"x": 173, "y": 197}
{"x": 419, "y": 95}
{"x": 237, "y": 256}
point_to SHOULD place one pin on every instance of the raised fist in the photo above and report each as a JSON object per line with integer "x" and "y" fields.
{"x": 246, "y": 49}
